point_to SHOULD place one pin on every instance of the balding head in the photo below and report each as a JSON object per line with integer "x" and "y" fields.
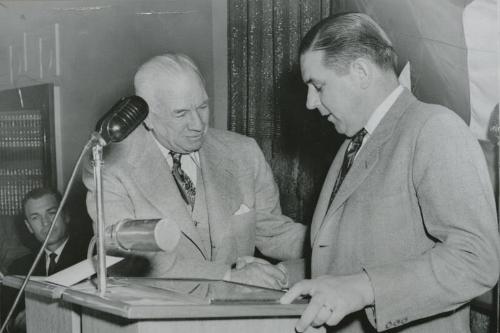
{"x": 174, "y": 89}
{"x": 163, "y": 72}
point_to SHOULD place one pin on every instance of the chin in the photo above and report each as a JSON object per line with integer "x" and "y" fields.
{"x": 190, "y": 148}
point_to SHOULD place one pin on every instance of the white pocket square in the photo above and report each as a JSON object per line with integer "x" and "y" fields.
{"x": 242, "y": 210}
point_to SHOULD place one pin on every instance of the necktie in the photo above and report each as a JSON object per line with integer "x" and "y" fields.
{"x": 52, "y": 264}
{"x": 349, "y": 156}
{"x": 184, "y": 183}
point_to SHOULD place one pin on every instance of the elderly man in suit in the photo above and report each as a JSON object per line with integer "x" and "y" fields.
{"x": 405, "y": 227}
{"x": 63, "y": 249}
{"x": 215, "y": 184}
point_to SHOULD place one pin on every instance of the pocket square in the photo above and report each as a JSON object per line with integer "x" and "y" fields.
{"x": 242, "y": 210}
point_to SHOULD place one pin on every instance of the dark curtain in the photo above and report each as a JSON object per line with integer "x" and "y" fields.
{"x": 267, "y": 95}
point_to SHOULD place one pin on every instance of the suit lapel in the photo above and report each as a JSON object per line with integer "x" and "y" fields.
{"x": 326, "y": 191}
{"x": 221, "y": 190}
{"x": 159, "y": 187}
{"x": 68, "y": 253}
{"x": 41, "y": 268}
{"x": 363, "y": 164}
{"x": 74, "y": 251}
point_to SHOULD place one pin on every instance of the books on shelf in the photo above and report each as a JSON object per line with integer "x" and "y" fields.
{"x": 22, "y": 152}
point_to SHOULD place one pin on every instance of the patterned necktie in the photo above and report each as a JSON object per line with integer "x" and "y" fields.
{"x": 349, "y": 156}
{"x": 184, "y": 183}
{"x": 52, "y": 264}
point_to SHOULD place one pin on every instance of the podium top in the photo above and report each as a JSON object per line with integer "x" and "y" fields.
{"x": 154, "y": 298}
{"x": 36, "y": 285}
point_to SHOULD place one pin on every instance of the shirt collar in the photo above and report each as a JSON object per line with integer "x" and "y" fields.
{"x": 57, "y": 251}
{"x": 382, "y": 109}
{"x": 195, "y": 156}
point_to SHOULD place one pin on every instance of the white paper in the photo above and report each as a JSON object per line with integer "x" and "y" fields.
{"x": 78, "y": 272}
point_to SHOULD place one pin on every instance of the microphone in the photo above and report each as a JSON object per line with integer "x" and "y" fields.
{"x": 142, "y": 235}
{"x": 121, "y": 120}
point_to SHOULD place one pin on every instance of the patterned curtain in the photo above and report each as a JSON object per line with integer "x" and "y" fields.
{"x": 267, "y": 95}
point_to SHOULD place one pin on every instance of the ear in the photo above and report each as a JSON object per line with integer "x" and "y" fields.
{"x": 362, "y": 71}
{"x": 28, "y": 226}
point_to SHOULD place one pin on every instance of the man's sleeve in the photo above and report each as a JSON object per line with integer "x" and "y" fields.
{"x": 457, "y": 205}
{"x": 277, "y": 236}
{"x": 117, "y": 203}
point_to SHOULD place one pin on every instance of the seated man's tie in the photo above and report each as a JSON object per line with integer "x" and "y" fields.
{"x": 349, "y": 156}
{"x": 52, "y": 264}
{"x": 184, "y": 183}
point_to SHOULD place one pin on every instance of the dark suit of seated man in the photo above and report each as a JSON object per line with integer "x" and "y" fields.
{"x": 63, "y": 250}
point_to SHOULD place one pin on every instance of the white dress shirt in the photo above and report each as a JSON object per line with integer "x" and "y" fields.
{"x": 58, "y": 252}
{"x": 380, "y": 112}
{"x": 189, "y": 162}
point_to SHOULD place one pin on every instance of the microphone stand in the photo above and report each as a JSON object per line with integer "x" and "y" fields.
{"x": 495, "y": 130}
{"x": 101, "y": 255}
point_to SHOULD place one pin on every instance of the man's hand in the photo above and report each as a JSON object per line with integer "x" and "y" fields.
{"x": 245, "y": 260}
{"x": 250, "y": 270}
{"x": 332, "y": 298}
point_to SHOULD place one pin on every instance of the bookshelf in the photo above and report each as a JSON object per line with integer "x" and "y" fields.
{"x": 26, "y": 144}
{"x": 22, "y": 140}
{"x": 27, "y": 158}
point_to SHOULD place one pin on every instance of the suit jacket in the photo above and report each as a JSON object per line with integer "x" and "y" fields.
{"x": 138, "y": 184}
{"x": 74, "y": 251}
{"x": 416, "y": 212}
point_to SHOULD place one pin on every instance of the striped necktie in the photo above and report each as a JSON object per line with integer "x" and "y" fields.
{"x": 349, "y": 156}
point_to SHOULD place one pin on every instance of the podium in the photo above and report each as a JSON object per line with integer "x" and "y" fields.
{"x": 149, "y": 305}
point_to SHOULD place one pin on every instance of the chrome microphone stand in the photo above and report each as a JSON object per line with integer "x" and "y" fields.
{"x": 495, "y": 131}
{"x": 101, "y": 253}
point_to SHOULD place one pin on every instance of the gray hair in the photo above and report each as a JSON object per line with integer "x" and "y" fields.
{"x": 162, "y": 67}
{"x": 348, "y": 36}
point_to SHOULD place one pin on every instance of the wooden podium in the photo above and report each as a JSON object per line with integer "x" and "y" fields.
{"x": 143, "y": 305}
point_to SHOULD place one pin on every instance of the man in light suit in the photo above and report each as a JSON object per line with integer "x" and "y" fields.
{"x": 404, "y": 234}
{"x": 215, "y": 184}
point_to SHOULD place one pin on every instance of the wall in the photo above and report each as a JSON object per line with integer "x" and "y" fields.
{"x": 91, "y": 49}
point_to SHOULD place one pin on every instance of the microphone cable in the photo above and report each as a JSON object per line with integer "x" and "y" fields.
{"x": 85, "y": 149}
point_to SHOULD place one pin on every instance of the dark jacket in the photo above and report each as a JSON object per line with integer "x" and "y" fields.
{"x": 74, "y": 251}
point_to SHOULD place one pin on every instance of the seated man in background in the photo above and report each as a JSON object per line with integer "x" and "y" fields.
{"x": 63, "y": 250}
{"x": 215, "y": 184}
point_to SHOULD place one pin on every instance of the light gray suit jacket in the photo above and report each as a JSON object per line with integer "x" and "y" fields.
{"x": 137, "y": 184}
{"x": 417, "y": 213}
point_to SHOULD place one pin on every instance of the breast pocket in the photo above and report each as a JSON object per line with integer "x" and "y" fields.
{"x": 243, "y": 232}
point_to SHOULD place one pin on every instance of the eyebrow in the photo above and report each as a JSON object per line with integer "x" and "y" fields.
{"x": 206, "y": 101}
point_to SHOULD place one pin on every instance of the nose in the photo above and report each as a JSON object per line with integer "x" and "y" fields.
{"x": 46, "y": 219}
{"x": 195, "y": 123}
{"x": 312, "y": 99}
